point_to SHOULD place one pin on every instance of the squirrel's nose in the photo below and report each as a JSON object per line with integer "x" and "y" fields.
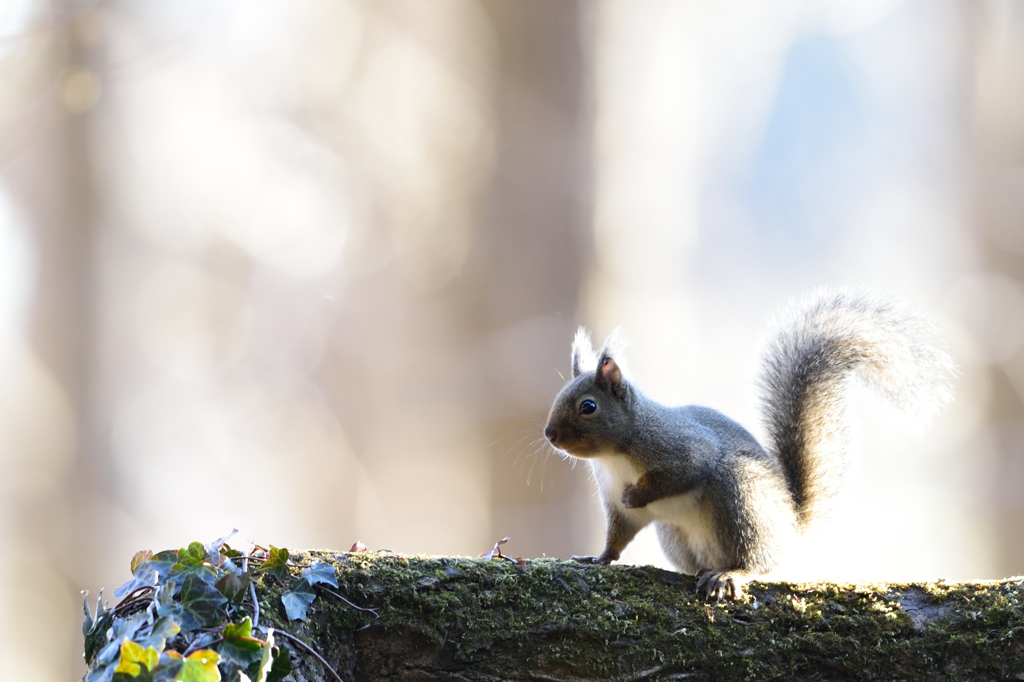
{"x": 551, "y": 433}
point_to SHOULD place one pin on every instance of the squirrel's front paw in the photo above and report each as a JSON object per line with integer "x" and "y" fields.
{"x": 632, "y": 498}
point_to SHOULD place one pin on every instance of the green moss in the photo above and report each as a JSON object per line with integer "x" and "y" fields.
{"x": 597, "y": 621}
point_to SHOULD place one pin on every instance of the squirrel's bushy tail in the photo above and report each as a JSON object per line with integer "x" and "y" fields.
{"x": 817, "y": 347}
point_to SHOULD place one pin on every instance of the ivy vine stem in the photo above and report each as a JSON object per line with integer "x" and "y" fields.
{"x": 311, "y": 651}
{"x": 357, "y": 608}
{"x": 252, "y": 591}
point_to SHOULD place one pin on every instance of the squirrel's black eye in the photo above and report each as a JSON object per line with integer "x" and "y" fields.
{"x": 588, "y": 407}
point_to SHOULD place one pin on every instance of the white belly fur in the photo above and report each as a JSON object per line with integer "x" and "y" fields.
{"x": 691, "y": 520}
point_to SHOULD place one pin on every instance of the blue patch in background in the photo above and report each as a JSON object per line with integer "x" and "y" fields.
{"x": 804, "y": 156}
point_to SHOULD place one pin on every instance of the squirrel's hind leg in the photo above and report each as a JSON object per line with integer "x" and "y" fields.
{"x": 713, "y": 584}
{"x": 716, "y": 585}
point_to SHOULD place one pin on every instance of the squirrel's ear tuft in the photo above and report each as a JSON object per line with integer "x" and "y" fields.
{"x": 583, "y": 358}
{"x": 609, "y": 362}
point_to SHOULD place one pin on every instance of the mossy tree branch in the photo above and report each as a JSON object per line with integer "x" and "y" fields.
{"x": 471, "y": 619}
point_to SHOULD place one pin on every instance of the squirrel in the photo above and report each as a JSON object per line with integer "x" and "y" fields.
{"x": 725, "y": 507}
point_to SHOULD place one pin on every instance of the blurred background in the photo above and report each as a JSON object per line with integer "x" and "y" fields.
{"x": 311, "y": 269}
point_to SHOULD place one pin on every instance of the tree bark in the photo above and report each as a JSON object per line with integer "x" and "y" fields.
{"x": 472, "y": 619}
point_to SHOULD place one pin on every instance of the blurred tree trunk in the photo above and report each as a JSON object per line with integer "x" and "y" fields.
{"x": 519, "y": 204}
{"x": 55, "y": 475}
{"x": 535, "y": 245}
{"x": 994, "y": 130}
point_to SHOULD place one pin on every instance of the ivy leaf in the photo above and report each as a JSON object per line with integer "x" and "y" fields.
{"x": 147, "y": 570}
{"x": 144, "y": 676}
{"x": 195, "y": 553}
{"x": 140, "y": 558}
{"x": 230, "y": 552}
{"x": 134, "y": 658}
{"x": 274, "y": 665}
{"x": 200, "y": 598}
{"x": 121, "y": 630}
{"x": 297, "y": 602}
{"x": 90, "y": 619}
{"x": 260, "y": 670}
{"x": 108, "y": 654}
{"x": 145, "y": 575}
{"x": 240, "y": 629}
{"x": 137, "y": 663}
{"x": 200, "y": 667}
{"x": 125, "y": 628}
{"x": 165, "y": 593}
{"x": 216, "y": 556}
{"x": 176, "y": 612}
{"x": 101, "y": 673}
{"x": 321, "y": 572}
{"x": 221, "y": 542}
{"x": 192, "y": 561}
{"x": 95, "y": 626}
{"x": 134, "y": 584}
{"x": 162, "y": 562}
{"x": 276, "y": 563}
{"x": 234, "y": 585}
{"x": 171, "y": 663}
{"x": 281, "y": 666}
{"x": 163, "y": 629}
{"x": 198, "y": 606}
{"x": 239, "y": 646}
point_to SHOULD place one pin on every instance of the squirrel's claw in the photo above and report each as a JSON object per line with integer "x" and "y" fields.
{"x": 605, "y": 558}
{"x": 717, "y": 585}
